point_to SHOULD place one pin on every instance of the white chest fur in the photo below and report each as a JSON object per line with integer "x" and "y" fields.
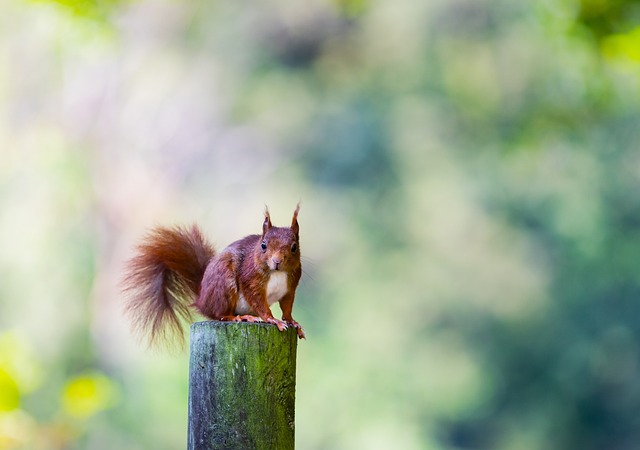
{"x": 277, "y": 286}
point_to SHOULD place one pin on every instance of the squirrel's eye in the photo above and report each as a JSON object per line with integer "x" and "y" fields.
{"x": 294, "y": 247}
{"x": 264, "y": 245}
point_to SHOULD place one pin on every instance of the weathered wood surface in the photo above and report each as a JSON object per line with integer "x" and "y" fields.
{"x": 242, "y": 380}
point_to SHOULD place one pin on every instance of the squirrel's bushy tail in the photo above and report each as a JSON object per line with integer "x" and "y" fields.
{"x": 163, "y": 280}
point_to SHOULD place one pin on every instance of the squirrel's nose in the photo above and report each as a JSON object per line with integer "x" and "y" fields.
{"x": 276, "y": 262}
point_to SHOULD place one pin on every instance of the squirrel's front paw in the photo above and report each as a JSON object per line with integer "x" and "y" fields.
{"x": 298, "y": 328}
{"x": 279, "y": 323}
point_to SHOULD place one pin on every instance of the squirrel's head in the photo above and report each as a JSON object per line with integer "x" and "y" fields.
{"x": 279, "y": 247}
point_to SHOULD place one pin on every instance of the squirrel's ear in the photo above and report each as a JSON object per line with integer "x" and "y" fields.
{"x": 266, "y": 225}
{"x": 294, "y": 222}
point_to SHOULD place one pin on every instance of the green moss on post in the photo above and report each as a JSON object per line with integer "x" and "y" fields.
{"x": 242, "y": 380}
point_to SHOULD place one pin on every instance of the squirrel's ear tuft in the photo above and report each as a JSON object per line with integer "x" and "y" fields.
{"x": 294, "y": 222}
{"x": 266, "y": 225}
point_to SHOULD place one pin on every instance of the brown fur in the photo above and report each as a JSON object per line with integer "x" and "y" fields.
{"x": 176, "y": 269}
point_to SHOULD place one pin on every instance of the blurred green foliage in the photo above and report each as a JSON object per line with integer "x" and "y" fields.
{"x": 22, "y": 376}
{"x": 470, "y": 216}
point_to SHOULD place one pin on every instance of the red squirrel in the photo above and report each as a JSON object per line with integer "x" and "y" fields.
{"x": 177, "y": 269}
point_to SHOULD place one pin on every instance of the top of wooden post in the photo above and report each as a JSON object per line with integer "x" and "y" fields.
{"x": 241, "y": 386}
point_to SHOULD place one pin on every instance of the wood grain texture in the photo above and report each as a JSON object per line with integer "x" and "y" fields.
{"x": 241, "y": 386}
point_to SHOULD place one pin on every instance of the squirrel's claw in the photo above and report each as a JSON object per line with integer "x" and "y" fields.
{"x": 279, "y": 323}
{"x": 298, "y": 328}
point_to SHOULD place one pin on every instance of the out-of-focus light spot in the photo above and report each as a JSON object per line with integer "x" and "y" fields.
{"x": 623, "y": 46}
{"x": 86, "y": 395}
{"x": 9, "y": 393}
{"x": 84, "y": 8}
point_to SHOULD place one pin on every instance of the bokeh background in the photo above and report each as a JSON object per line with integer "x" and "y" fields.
{"x": 469, "y": 172}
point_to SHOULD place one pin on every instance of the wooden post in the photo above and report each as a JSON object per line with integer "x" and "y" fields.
{"x": 242, "y": 379}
